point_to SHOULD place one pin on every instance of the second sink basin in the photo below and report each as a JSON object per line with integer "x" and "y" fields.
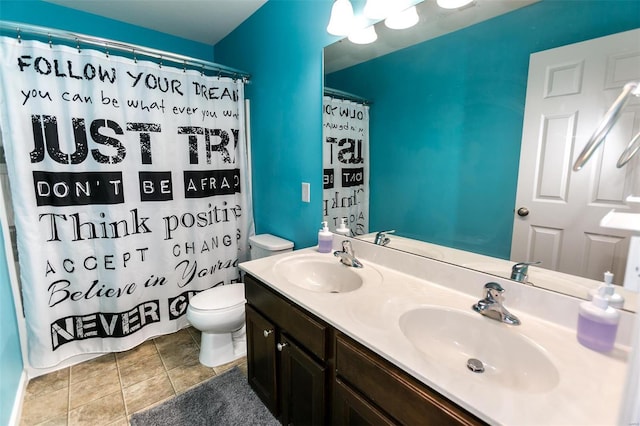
{"x": 320, "y": 274}
{"x": 451, "y": 337}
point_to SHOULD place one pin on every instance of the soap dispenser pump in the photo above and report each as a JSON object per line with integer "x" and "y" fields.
{"x": 342, "y": 228}
{"x": 615, "y": 300}
{"x": 598, "y": 323}
{"x": 325, "y": 239}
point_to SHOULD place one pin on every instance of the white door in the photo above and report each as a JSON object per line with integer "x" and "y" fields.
{"x": 568, "y": 91}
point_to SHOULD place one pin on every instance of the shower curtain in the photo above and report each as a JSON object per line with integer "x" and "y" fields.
{"x": 345, "y": 152}
{"x": 129, "y": 191}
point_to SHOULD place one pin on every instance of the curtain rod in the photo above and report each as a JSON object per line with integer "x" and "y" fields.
{"x": 20, "y": 29}
{"x": 346, "y": 95}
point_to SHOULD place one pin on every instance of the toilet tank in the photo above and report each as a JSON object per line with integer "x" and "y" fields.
{"x": 264, "y": 245}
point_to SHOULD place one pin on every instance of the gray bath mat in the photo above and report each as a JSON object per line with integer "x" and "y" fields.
{"x": 226, "y": 399}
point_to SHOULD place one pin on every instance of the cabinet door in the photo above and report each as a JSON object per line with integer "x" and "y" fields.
{"x": 261, "y": 358}
{"x": 303, "y": 386}
{"x": 350, "y": 408}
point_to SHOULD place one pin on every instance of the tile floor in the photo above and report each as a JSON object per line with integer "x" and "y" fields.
{"x": 109, "y": 389}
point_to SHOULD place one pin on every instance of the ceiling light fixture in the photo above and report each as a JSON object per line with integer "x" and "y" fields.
{"x": 453, "y": 4}
{"x": 341, "y": 21}
{"x": 378, "y": 9}
{"x": 401, "y": 20}
{"x": 364, "y": 35}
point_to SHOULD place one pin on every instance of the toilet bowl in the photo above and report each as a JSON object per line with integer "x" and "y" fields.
{"x": 219, "y": 314}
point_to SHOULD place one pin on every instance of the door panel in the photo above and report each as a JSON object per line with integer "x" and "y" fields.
{"x": 303, "y": 386}
{"x": 568, "y": 91}
{"x": 261, "y": 357}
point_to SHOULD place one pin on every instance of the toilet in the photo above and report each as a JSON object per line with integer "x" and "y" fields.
{"x": 219, "y": 312}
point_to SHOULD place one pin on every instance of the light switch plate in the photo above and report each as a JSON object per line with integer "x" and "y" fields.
{"x": 306, "y": 192}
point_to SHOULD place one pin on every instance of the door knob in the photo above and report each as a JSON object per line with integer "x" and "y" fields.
{"x": 281, "y": 346}
{"x": 523, "y": 211}
{"x": 266, "y": 333}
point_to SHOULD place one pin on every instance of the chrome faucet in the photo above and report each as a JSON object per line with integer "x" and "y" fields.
{"x": 382, "y": 239}
{"x": 520, "y": 271}
{"x": 492, "y": 307}
{"x": 347, "y": 256}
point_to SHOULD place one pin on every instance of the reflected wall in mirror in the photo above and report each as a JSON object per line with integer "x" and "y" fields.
{"x": 447, "y": 119}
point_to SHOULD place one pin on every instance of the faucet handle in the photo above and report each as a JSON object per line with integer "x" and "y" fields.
{"x": 519, "y": 271}
{"x": 493, "y": 291}
{"x": 347, "y": 248}
{"x": 381, "y": 237}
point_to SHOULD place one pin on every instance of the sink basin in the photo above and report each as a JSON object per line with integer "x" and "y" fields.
{"x": 323, "y": 275}
{"x": 452, "y": 337}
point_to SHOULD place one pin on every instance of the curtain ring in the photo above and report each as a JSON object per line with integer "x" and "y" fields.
{"x": 78, "y": 44}
{"x": 106, "y": 49}
{"x": 135, "y": 58}
{"x": 50, "y": 46}
{"x": 184, "y": 65}
{"x": 201, "y": 70}
{"x": 160, "y": 63}
{"x": 19, "y": 36}
{"x": 219, "y": 73}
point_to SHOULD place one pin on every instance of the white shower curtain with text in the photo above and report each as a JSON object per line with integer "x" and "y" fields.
{"x": 129, "y": 191}
{"x": 345, "y": 152}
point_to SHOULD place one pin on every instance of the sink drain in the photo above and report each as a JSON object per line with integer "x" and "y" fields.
{"x": 475, "y": 365}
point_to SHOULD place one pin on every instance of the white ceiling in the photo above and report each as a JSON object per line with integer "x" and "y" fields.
{"x": 205, "y": 21}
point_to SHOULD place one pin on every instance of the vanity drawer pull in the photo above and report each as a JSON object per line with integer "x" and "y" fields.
{"x": 266, "y": 333}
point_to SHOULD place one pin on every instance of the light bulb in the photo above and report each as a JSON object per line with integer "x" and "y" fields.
{"x": 405, "y": 19}
{"x": 341, "y": 20}
{"x": 363, "y": 36}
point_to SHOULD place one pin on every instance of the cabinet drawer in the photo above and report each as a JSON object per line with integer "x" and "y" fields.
{"x": 310, "y": 332}
{"x": 394, "y": 391}
{"x": 350, "y": 408}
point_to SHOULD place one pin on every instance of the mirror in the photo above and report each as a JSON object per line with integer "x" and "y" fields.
{"x": 462, "y": 95}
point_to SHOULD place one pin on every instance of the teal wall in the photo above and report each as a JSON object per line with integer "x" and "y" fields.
{"x": 281, "y": 46}
{"x": 10, "y": 354}
{"x": 452, "y": 168}
{"x": 46, "y": 14}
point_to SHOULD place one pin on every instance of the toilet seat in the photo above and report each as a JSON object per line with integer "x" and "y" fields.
{"x": 219, "y": 298}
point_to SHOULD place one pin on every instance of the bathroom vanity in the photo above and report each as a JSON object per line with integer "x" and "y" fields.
{"x": 306, "y": 372}
{"x": 389, "y": 343}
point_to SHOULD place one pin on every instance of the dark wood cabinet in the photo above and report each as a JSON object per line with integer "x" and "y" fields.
{"x": 308, "y": 373}
{"x": 387, "y": 388}
{"x": 261, "y": 356}
{"x": 287, "y": 353}
{"x": 352, "y": 408}
{"x": 303, "y": 386}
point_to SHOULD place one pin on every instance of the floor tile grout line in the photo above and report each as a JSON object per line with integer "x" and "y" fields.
{"x": 124, "y": 400}
{"x": 166, "y": 370}
{"x": 69, "y": 396}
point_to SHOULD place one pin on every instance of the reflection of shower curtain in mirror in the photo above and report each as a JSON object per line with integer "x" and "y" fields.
{"x": 345, "y": 152}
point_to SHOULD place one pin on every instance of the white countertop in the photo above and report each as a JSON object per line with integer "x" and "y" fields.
{"x": 590, "y": 385}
